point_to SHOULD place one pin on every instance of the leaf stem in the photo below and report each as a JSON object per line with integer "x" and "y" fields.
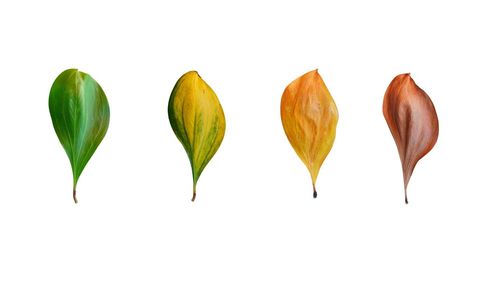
{"x": 194, "y": 193}
{"x": 315, "y": 193}
{"x": 74, "y": 193}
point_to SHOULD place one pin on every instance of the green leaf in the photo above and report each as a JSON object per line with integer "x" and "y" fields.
{"x": 80, "y": 114}
{"x": 198, "y": 121}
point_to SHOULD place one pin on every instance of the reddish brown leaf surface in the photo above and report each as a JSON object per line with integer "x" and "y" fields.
{"x": 413, "y": 122}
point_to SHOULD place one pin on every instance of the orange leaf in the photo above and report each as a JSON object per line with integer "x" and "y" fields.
{"x": 309, "y": 116}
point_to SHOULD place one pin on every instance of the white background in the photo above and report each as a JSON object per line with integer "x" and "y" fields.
{"x": 254, "y": 220}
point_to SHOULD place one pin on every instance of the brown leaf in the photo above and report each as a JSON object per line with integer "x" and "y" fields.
{"x": 413, "y": 122}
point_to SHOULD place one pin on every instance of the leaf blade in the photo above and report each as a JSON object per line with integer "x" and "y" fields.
{"x": 80, "y": 115}
{"x": 309, "y": 116}
{"x": 412, "y": 120}
{"x": 197, "y": 119}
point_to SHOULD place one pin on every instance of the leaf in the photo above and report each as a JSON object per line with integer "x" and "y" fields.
{"x": 80, "y": 114}
{"x": 197, "y": 119}
{"x": 309, "y": 116}
{"x": 413, "y": 122}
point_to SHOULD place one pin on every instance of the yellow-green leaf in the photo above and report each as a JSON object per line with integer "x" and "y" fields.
{"x": 197, "y": 119}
